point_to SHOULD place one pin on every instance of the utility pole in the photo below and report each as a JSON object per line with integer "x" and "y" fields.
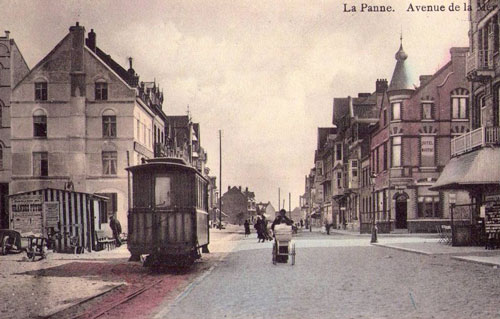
{"x": 220, "y": 180}
{"x": 279, "y": 199}
{"x": 290, "y": 204}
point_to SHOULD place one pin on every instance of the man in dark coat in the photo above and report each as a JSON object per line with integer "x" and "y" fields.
{"x": 281, "y": 219}
{"x": 116, "y": 227}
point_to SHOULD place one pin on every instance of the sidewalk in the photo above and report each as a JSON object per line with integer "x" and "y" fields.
{"x": 475, "y": 254}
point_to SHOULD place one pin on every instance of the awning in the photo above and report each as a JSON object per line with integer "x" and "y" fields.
{"x": 480, "y": 167}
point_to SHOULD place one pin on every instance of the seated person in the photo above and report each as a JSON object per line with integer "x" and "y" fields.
{"x": 281, "y": 219}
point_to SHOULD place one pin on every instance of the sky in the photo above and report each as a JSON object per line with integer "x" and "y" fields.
{"x": 263, "y": 72}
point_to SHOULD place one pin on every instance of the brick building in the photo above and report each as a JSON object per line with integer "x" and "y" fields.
{"x": 411, "y": 144}
{"x": 238, "y": 205}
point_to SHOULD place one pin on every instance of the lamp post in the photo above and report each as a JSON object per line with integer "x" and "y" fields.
{"x": 374, "y": 224}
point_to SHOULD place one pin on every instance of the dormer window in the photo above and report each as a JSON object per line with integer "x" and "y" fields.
{"x": 101, "y": 91}
{"x": 396, "y": 111}
{"x": 41, "y": 91}
{"x": 427, "y": 110}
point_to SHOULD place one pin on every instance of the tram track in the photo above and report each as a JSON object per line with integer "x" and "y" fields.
{"x": 93, "y": 314}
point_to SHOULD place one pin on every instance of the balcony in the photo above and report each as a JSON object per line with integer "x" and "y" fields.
{"x": 480, "y": 65}
{"x": 477, "y": 138}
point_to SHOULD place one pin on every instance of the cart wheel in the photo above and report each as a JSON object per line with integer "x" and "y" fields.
{"x": 274, "y": 254}
{"x": 293, "y": 254}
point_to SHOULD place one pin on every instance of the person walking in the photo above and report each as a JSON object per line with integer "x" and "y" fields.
{"x": 116, "y": 227}
{"x": 247, "y": 228}
{"x": 258, "y": 227}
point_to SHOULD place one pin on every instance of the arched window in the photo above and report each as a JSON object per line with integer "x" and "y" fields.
{"x": 39, "y": 123}
{"x": 108, "y": 124}
{"x": 101, "y": 90}
{"x": 459, "y": 104}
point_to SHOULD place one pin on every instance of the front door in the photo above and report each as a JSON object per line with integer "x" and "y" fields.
{"x": 401, "y": 214}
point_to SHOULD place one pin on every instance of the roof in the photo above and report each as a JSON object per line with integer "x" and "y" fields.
{"x": 400, "y": 77}
{"x": 323, "y": 133}
{"x": 340, "y": 108}
{"x": 59, "y": 190}
{"x": 470, "y": 170}
{"x": 117, "y": 68}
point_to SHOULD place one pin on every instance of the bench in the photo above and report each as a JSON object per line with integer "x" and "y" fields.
{"x": 104, "y": 241}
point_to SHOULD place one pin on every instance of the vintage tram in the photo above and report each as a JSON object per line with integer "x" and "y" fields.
{"x": 168, "y": 218}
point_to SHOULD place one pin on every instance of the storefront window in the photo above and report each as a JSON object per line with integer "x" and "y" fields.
{"x": 428, "y": 207}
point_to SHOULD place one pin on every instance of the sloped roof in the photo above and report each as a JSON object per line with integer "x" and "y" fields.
{"x": 117, "y": 68}
{"x": 340, "y": 108}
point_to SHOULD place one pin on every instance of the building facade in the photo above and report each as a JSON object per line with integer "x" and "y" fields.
{"x": 238, "y": 205}
{"x": 13, "y": 68}
{"x": 411, "y": 144}
{"x": 475, "y": 154}
{"x": 79, "y": 119}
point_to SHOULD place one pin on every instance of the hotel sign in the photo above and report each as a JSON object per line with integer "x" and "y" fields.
{"x": 427, "y": 150}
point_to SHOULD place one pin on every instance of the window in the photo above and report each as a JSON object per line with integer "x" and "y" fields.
{"x": 40, "y": 164}
{"x": 459, "y": 108}
{"x": 396, "y": 111}
{"x": 319, "y": 167}
{"x": 39, "y": 124}
{"x": 162, "y": 191}
{"x": 138, "y": 130}
{"x": 109, "y": 160}
{"x": 427, "y": 111}
{"x": 1, "y": 156}
{"x": 108, "y": 125}
{"x": 384, "y": 164}
{"x": 339, "y": 180}
{"x": 354, "y": 168}
{"x": 396, "y": 151}
{"x": 338, "y": 153}
{"x": 101, "y": 91}
{"x": 41, "y": 91}
{"x": 428, "y": 206}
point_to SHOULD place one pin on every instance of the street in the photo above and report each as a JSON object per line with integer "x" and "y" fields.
{"x": 339, "y": 276}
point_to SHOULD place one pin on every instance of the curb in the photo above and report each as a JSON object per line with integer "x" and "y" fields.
{"x": 480, "y": 262}
{"x": 420, "y": 252}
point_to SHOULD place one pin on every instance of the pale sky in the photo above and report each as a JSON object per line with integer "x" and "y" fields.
{"x": 264, "y": 72}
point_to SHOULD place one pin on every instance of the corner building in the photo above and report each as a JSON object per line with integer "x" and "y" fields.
{"x": 79, "y": 119}
{"x": 411, "y": 144}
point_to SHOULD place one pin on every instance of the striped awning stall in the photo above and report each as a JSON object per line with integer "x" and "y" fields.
{"x": 78, "y": 216}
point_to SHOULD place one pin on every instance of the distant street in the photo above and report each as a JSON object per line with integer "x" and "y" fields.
{"x": 338, "y": 276}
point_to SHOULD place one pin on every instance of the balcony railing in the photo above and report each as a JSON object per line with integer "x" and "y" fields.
{"x": 480, "y": 63}
{"x": 475, "y": 139}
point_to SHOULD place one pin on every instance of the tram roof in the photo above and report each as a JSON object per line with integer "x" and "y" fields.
{"x": 163, "y": 162}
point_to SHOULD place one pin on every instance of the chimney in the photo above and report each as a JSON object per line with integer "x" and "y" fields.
{"x": 246, "y": 189}
{"x": 7, "y": 34}
{"x": 381, "y": 85}
{"x": 133, "y": 78}
{"x": 228, "y": 188}
{"x": 424, "y": 79}
{"x": 76, "y": 67}
{"x": 91, "y": 40}
{"x": 239, "y": 188}
{"x": 364, "y": 94}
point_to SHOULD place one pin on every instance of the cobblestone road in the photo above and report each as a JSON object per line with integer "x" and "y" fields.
{"x": 339, "y": 277}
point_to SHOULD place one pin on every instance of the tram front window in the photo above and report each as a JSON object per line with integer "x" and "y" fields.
{"x": 162, "y": 191}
